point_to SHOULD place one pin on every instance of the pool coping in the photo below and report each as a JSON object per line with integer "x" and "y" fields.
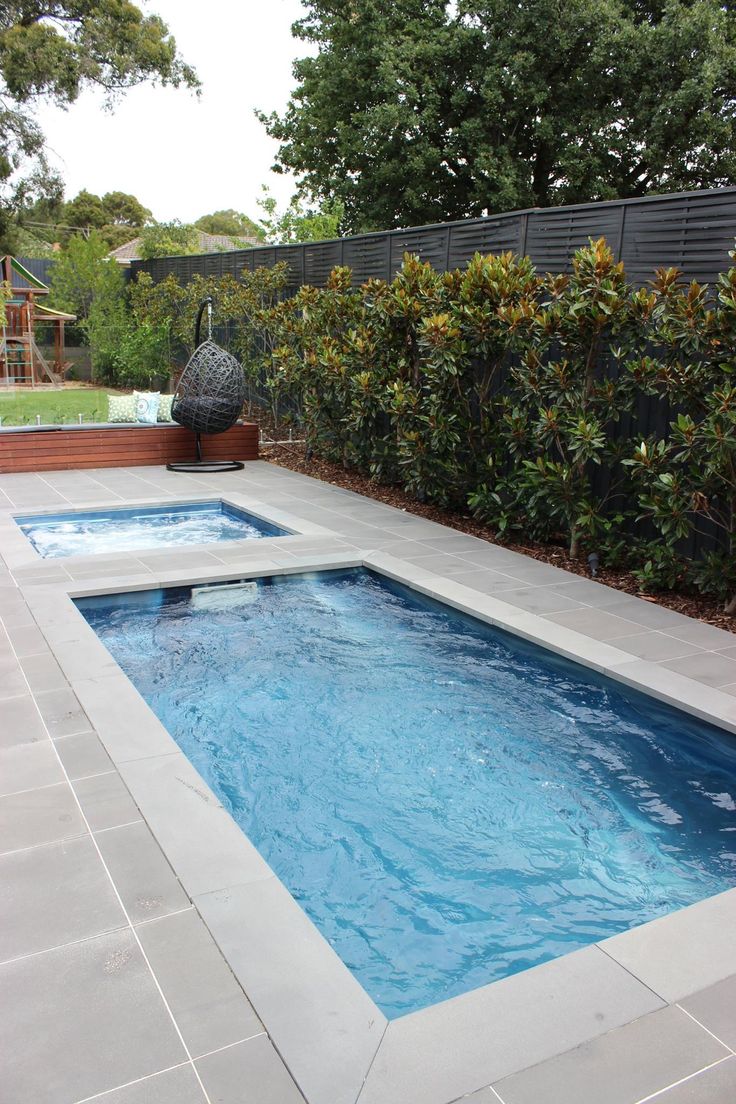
{"x": 337, "y": 1044}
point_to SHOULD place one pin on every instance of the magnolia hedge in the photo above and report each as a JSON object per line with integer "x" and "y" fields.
{"x": 524, "y": 397}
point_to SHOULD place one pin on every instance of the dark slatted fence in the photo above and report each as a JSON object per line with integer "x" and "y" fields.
{"x": 693, "y": 231}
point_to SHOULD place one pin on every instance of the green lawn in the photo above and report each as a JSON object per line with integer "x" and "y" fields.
{"x": 55, "y": 407}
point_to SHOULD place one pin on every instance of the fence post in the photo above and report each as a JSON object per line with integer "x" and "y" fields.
{"x": 523, "y": 231}
{"x": 620, "y": 244}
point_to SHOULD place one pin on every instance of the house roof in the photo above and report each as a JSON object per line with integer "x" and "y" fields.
{"x": 208, "y": 243}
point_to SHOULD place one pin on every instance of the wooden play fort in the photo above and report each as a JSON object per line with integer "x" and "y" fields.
{"x": 22, "y": 364}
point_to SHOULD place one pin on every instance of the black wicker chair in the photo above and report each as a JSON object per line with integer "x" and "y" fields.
{"x": 209, "y": 396}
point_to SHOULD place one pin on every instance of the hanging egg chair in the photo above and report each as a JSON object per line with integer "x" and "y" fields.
{"x": 209, "y": 396}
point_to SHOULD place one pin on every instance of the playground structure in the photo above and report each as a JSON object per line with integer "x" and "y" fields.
{"x": 22, "y": 364}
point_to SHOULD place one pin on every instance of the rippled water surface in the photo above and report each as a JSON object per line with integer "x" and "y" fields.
{"x": 449, "y": 805}
{"x": 82, "y": 534}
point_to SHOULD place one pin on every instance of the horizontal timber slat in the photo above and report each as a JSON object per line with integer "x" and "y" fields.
{"x": 119, "y": 446}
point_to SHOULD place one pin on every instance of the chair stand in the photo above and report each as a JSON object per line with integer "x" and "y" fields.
{"x": 200, "y": 465}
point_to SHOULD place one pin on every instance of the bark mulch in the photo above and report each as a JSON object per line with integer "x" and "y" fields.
{"x": 292, "y": 457}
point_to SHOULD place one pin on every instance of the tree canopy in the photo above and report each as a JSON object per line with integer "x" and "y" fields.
{"x": 230, "y": 222}
{"x": 297, "y": 223}
{"x": 168, "y": 239}
{"x": 421, "y": 111}
{"x": 53, "y": 49}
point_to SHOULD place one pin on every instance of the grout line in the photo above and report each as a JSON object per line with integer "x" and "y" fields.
{"x": 229, "y": 1046}
{"x": 61, "y": 946}
{"x": 682, "y": 1081}
{"x": 166, "y": 915}
{"x": 640, "y": 981}
{"x": 50, "y": 785}
{"x": 127, "y": 1085}
{"x": 129, "y": 921}
{"x": 711, "y": 1033}
{"x": 45, "y": 843}
{"x": 114, "y": 827}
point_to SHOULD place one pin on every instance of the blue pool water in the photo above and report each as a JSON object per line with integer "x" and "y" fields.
{"x": 81, "y": 534}
{"x": 448, "y": 804}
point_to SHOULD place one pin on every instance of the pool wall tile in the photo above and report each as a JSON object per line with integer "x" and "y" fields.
{"x": 483, "y": 1036}
{"x": 317, "y": 1014}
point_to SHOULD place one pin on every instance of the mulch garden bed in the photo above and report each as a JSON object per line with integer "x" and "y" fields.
{"x": 292, "y": 457}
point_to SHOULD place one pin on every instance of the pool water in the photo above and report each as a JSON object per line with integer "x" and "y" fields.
{"x": 448, "y": 804}
{"x": 88, "y": 532}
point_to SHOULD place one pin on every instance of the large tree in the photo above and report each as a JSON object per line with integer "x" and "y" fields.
{"x": 416, "y": 111}
{"x": 52, "y": 50}
{"x": 230, "y": 222}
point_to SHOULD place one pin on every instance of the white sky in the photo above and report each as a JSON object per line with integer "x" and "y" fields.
{"x": 182, "y": 156}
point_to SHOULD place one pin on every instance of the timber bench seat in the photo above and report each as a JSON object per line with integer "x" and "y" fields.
{"x": 117, "y": 445}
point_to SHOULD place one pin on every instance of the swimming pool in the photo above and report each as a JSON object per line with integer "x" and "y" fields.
{"x": 448, "y": 804}
{"x": 122, "y": 530}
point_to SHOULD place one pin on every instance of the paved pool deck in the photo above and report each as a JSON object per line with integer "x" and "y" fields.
{"x": 148, "y": 955}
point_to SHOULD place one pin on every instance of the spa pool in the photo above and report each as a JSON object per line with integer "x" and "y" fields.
{"x": 122, "y": 530}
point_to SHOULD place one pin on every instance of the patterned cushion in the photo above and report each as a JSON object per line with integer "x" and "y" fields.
{"x": 120, "y": 408}
{"x": 164, "y": 408}
{"x": 146, "y": 406}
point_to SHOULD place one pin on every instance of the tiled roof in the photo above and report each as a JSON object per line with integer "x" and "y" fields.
{"x": 208, "y": 243}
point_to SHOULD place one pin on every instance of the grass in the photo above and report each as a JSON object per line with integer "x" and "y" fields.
{"x": 55, "y": 407}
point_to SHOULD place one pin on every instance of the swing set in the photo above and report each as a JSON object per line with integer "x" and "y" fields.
{"x": 22, "y": 364}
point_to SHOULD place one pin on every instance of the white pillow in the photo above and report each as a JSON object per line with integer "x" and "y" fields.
{"x": 146, "y": 406}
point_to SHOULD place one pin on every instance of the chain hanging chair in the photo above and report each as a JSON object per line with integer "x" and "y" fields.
{"x": 209, "y": 396}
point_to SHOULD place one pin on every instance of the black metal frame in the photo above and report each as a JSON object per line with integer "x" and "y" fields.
{"x": 209, "y": 396}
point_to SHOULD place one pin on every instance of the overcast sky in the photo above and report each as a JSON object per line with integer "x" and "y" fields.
{"x": 183, "y": 156}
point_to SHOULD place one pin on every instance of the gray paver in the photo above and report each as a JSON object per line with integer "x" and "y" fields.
{"x": 83, "y": 755}
{"x": 656, "y": 646}
{"x": 121, "y": 718}
{"x": 43, "y": 672}
{"x": 62, "y": 713}
{"x": 38, "y": 816}
{"x": 208, "y": 1004}
{"x": 599, "y": 624}
{"x": 12, "y": 679}
{"x": 713, "y": 1086}
{"x": 28, "y": 766}
{"x": 249, "y": 1071}
{"x": 20, "y": 721}
{"x": 143, "y": 878}
{"x": 54, "y": 894}
{"x": 265, "y": 935}
{"x": 681, "y": 953}
{"x": 620, "y": 1067}
{"x": 715, "y": 1008}
{"x": 177, "y": 1086}
{"x": 434, "y": 1055}
{"x": 538, "y": 599}
{"x": 203, "y": 842}
{"x": 710, "y": 668}
{"x": 86, "y": 1018}
{"x": 105, "y": 801}
{"x": 27, "y": 641}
